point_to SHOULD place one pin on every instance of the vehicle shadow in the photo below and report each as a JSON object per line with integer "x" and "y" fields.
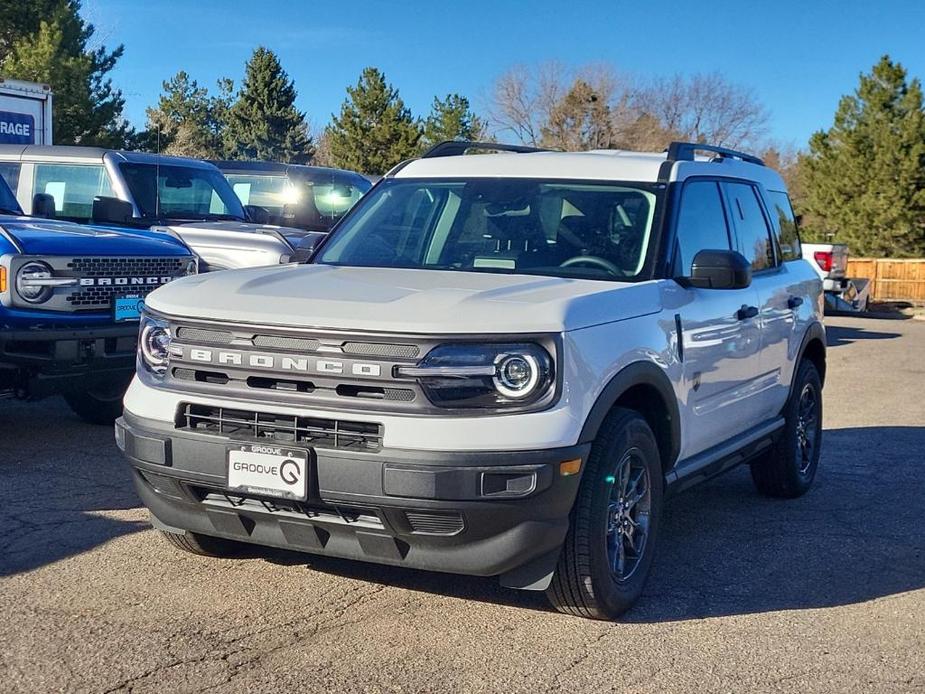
{"x": 725, "y": 550}
{"x": 59, "y": 477}
{"x": 840, "y": 335}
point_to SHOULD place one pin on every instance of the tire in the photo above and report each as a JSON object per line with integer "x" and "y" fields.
{"x": 203, "y": 545}
{"x": 789, "y": 468}
{"x": 97, "y": 406}
{"x": 584, "y": 583}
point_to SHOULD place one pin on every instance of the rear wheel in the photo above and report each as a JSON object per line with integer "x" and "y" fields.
{"x": 789, "y": 468}
{"x": 100, "y": 405}
{"x": 203, "y": 545}
{"x": 608, "y": 550}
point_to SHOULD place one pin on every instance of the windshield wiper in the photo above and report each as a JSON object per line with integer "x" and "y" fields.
{"x": 7, "y": 210}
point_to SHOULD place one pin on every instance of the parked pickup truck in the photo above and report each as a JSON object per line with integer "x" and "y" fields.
{"x": 498, "y": 365}
{"x": 185, "y": 197}
{"x": 842, "y": 293}
{"x": 70, "y": 299}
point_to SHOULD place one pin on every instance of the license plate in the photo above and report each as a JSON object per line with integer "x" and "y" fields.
{"x": 127, "y": 308}
{"x": 268, "y": 470}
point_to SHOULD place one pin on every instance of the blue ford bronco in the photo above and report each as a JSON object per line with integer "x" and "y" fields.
{"x": 70, "y": 298}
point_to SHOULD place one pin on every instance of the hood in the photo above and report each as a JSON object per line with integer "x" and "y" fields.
{"x": 51, "y": 237}
{"x": 242, "y": 227}
{"x": 400, "y": 300}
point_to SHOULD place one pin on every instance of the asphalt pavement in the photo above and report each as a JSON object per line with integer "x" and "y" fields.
{"x": 825, "y": 593}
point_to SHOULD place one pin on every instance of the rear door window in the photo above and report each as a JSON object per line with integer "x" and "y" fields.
{"x": 788, "y": 237}
{"x": 751, "y": 226}
{"x": 73, "y": 186}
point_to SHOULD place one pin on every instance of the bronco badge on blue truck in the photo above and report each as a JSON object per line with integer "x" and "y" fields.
{"x": 70, "y": 298}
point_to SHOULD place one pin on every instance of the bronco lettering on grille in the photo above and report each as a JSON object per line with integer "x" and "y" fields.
{"x": 275, "y": 362}
{"x": 123, "y": 281}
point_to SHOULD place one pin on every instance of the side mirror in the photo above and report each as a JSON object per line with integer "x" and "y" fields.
{"x": 257, "y": 214}
{"x": 720, "y": 270}
{"x": 107, "y": 210}
{"x": 43, "y": 205}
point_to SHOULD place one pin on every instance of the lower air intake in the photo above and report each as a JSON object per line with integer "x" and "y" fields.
{"x": 424, "y": 523}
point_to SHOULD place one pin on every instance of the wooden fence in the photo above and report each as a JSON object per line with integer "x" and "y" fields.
{"x": 892, "y": 280}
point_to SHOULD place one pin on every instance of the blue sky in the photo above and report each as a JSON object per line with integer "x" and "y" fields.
{"x": 799, "y": 57}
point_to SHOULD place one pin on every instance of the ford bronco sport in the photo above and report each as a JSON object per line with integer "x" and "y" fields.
{"x": 498, "y": 365}
{"x": 69, "y": 306}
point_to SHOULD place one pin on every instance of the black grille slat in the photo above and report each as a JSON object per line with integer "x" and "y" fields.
{"x": 262, "y": 426}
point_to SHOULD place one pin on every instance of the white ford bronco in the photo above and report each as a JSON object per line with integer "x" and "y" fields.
{"x": 499, "y": 365}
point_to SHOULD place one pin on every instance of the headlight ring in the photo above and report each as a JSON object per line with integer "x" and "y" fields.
{"x": 28, "y": 286}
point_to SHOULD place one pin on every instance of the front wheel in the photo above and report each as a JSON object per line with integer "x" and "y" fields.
{"x": 613, "y": 526}
{"x": 97, "y": 405}
{"x": 788, "y": 469}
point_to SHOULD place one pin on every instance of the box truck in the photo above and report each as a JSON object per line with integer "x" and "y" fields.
{"x": 25, "y": 113}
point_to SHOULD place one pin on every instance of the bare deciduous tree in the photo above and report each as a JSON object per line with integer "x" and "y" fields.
{"x": 595, "y": 107}
{"x": 704, "y": 108}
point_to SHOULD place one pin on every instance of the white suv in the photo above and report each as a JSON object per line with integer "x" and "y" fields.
{"x": 496, "y": 365}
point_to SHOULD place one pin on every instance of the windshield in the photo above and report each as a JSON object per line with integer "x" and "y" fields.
{"x": 181, "y": 192}
{"x": 8, "y": 204}
{"x": 584, "y": 230}
{"x": 313, "y": 200}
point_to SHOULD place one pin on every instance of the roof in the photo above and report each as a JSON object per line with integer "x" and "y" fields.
{"x": 596, "y": 165}
{"x": 611, "y": 165}
{"x": 76, "y": 154}
{"x": 276, "y": 167}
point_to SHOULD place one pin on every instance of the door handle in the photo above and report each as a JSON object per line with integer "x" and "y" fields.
{"x": 747, "y": 312}
{"x": 794, "y": 302}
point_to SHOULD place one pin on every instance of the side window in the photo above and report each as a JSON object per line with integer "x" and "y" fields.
{"x": 752, "y": 233}
{"x": 73, "y": 186}
{"x": 10, "y": 172}
{"x": 701, "y": 223}
{"x": 269, "y": 192}
{"x": 788, "y": 235}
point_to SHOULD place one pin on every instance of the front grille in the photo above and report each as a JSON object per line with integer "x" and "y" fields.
{"x": 359, "y": 517}
{"x": 127, "y": 276}
{"x": 425, "y": 523}
{"x": 251, "y": 425}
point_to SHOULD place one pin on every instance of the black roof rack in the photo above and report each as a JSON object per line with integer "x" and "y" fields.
{"x": 684, "y": 151}
{"x": 452, "y": 148}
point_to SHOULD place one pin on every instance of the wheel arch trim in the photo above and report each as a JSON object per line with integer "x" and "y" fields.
{"x": 640, "y": 373}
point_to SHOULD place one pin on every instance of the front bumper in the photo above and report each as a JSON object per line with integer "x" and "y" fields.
{"x": 479, "y": 513}
{"x": 43, "y": 362}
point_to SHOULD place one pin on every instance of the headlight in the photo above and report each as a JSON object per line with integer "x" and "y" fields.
{"x": 33, "y": 282}
{"x": 192, "y": 267}
{"x": 154, "y": 344}
{"x": 484, "y": 375}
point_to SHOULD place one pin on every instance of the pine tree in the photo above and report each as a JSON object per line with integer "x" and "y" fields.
{"x": 187, "y": 120}
{"x": 451, "y": 119}
{"x": 263, "y": 123}
{"x": 374, "y": 130}
{"x": 47, "y": 41}
{"x": 863, "y": 180}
